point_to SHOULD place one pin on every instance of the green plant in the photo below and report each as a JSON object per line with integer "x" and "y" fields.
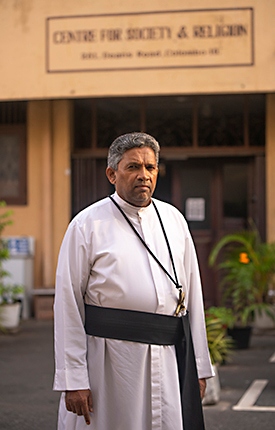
{"x": 247, "y": 277}
{"x": 220, "y": 345}
{"x": 4, "y": 252}
{"x": 223, "y": 314}
{"x": 9, "y": 293}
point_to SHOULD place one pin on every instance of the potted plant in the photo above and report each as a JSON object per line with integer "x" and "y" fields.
{"x": 247, "y": 278}
{"x": 11, "y": 295}
{"x": 223, "y": 314}
{"x": 220, "y": 347}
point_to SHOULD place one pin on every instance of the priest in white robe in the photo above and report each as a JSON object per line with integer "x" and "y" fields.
{"x": 113, "y": 384}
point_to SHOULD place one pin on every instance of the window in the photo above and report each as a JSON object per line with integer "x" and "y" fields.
{"x": 116, "y": 117}
{"x": 221, "y": 120}
{"x": 169, "y": 120}
{"x": 256, "y": 103}
{"x": 185, "y": 126}
{"x": 13, "y": 153}
{"x": 194, "y": 124}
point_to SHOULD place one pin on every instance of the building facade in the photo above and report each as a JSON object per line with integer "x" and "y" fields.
{"x": 199, "y": 76}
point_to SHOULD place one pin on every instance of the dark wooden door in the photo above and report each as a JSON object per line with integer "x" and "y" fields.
{"x": 217, "y": 196}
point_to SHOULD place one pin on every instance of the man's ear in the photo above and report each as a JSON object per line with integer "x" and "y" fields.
{"x": 111, "y": 175}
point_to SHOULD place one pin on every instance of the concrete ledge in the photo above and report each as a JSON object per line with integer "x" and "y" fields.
{"x": 43, "y": 292}
{"x": 43, "y": 303}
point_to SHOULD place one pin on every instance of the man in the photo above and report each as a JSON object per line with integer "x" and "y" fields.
{"x": 121, "y": 254}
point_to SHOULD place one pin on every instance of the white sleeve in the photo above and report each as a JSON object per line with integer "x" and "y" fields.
{"x": 196, "y": 311}
{"x": 70, "y": 339}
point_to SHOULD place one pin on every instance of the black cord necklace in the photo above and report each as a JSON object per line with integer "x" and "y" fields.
{"x": 180, "y": 305}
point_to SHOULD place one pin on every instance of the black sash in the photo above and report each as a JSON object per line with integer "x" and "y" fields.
{"x": 156, "y": 329}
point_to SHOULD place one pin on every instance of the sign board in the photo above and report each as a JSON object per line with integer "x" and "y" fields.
{"x": 195, "y": 209}
{"x": 150, "y": 40}
{"x": 20, "y": 245}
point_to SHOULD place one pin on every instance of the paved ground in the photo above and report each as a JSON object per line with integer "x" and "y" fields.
{"x": 236, "y": 379}
{"x": 27, "y": 401}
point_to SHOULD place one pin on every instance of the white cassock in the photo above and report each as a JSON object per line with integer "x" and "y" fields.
{"x": 134, "y": 386}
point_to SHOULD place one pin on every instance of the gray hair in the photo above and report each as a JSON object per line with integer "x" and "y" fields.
{"x": 128, "y": 141}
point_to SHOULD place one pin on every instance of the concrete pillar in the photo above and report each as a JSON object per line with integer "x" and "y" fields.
{"x": 47, "y": 193}
{"x": 270, "y": 167}
{"x": 61, "y": 209}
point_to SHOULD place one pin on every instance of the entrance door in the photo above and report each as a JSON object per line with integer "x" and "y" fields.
{"x": 216, "y": 196}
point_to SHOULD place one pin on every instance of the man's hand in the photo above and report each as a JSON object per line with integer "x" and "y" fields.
{"x": 80, "y": 402}
{"x": 202, "y": 383}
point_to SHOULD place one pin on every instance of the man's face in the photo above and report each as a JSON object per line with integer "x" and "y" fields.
{"x": 136, "y": 176}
